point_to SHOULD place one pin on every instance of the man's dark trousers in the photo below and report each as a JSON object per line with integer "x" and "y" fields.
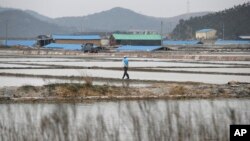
{"x": 125, "y": 73}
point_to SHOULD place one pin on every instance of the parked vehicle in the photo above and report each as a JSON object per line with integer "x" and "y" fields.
{"x": 90, "y": 47}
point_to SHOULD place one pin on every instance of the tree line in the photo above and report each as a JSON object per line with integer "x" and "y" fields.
{"x": 229, "y": 23}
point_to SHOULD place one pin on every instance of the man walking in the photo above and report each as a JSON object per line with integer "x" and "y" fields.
{"x": 125, "y": 67}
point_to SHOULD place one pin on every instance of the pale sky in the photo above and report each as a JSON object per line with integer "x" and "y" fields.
{"x": 157, "y": 8}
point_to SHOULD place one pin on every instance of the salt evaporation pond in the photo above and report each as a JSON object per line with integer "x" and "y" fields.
{"x": 18, "y": 66}
{"x": 221, "y": 70}
{"x": 160, "y": 76}
{"x": 7, "y": 81}
{"x": 21, "y": 81}
{"x": 37, "y": 59}
{"x": 123, "y": 117}
{"x": 131, "y": 64}
{"x": 228, "y": 62}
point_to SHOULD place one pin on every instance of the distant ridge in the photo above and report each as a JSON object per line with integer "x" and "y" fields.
{"x": 121, "y": 19}
{"x": 22, "y": 24}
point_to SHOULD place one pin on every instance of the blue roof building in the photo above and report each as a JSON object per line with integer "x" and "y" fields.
{"x": 181, "y": 42}
{"x": 25, "y": 43}
{"x": 232, "y": 42}
{"x": 64, "y": 46}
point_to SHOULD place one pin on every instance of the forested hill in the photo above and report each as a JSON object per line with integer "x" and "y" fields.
{"x": 235, "y": 21}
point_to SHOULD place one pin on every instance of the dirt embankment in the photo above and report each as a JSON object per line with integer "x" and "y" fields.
{"x": 80, "y": 92}
{"x": 184, "y": 55}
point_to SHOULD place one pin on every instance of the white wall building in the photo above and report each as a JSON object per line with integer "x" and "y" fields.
{"x": 205, "y": 34}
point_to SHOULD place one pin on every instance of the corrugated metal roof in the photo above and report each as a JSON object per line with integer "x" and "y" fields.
{"x": 180, "y": 42}
{"x": 76, "y": 37}
{"x": 64, "y": 46}
{"x": 204, "y": 30}
{"x": 138, "y": 48}
{"x": 231, "y": 42}
{"x": 137, "y": 36}
{"x": 28, "y": 43}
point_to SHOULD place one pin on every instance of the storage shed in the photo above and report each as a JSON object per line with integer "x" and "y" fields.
{"x": 206, "y": 34}
{"x": 77, "y": 39}
{"x": 136, "y": 39}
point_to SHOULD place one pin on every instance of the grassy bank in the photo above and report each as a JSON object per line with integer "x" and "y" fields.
{"x": 68, "y": 92}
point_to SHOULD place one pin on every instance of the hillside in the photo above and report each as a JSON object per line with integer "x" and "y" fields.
{"x": 235, "y": 22}
{"x": 22, "y": 25}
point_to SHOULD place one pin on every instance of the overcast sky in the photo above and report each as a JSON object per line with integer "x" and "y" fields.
{"x": 157, "y": 8}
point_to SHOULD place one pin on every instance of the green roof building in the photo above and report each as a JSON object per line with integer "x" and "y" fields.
{"x": 136, "y": 39}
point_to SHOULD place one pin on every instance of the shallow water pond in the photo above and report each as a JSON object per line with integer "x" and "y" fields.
{"x": 7, "y": 81}
{"x": 221, "y": 70}
{"x": 131, "y": 64}
{"x": 18, "y": 66}
{"x": 159, "y": 76}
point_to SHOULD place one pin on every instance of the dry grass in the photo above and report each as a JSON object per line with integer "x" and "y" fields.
{"x": 27, "y": 88}
{"x": 178, "y": 90}
{"x": 79, "y": 90}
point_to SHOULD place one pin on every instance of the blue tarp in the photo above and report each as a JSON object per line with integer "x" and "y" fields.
{"x": 76, "y": 37}
{"x": 64, "y": 46}
{"x": 138, "y": 48}
{"x": 28, "y": 43}
{"x": 231, "y": 42}
{"x": 180, "y": 42}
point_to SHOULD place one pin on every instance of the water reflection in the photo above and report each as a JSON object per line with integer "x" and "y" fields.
{"x": 36, "y": 81}
{"x": 215, "y": 70}
{"x": 132, "y": 64}
{"x": 124, "y": 120}
{"x": 161, "y": 76}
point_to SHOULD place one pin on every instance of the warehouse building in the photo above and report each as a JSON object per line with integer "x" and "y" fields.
{"x": 206, "y": 34}
{"x": 135, "y": 39}
{"x": 77, "y": 39}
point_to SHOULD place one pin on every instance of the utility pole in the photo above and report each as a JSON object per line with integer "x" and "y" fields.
{"x": 188, "y": 7}
{"x": 6, "y": 33}
{"x": 223, "y": 31}
{"x": 161, "y": 34}
{"x": 81, "y": 28}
